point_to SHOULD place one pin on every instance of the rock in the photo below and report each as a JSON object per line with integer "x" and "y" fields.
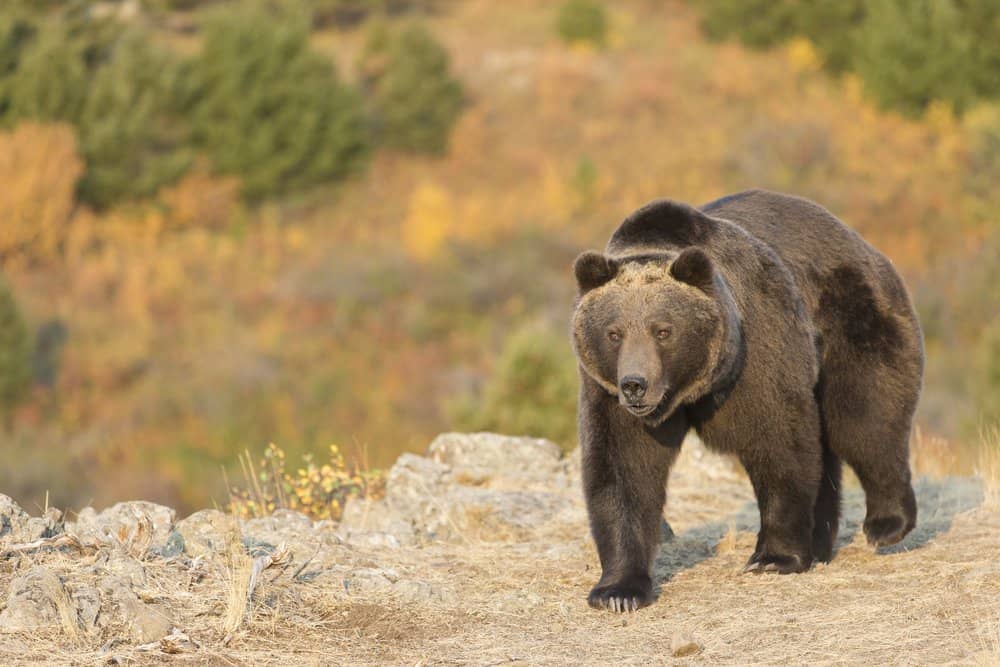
{"x": 482, "y": 486}
{"x": 499, "y": 460}
{"x": 490, "y": 515}
{"x": 415, "y": 480}
{"x": 371, "y": 539}
{"x": 681, "y": 646}
{"x": 207, "y": 532}
{"x": 283, "y": 525}
{"x": 414, "y": 591}
{"x": 18, "y": 527}
{"x": 87, "y": 601}
{"x": 363, "y": 517}
{"x": 146, "y": 622}
{"x": 37, "y": 600}
{"x": 137, "y": 524}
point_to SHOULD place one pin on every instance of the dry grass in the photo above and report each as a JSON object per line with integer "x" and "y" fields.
{"x": 933, "y": 599}
{"x": 989, "y": 464}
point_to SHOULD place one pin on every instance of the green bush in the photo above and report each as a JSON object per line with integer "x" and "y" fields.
{"x": 50, "y": 79}
{"x": 115, "y": 87}
{"x": 907, "y": 52}
{"x": 131, "y": 141}
{"x": 911, "y": 52}
{"x": 582, "y": 21}
{"x": 267, "y": 109}
{"x": 532, "y": 390}
{"x": 415, "y": 100}
{"x": 15, "y": 352}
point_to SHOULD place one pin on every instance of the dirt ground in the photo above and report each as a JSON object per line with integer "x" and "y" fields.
{"x": 934, "y": 599}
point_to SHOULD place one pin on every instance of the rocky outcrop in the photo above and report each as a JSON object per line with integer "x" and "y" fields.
{"x": 480, "y": 486}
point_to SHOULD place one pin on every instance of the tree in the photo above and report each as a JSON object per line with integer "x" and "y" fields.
{"x": 911, "y": 52}
{"x": 131, "y": 139}
{"x": 415, "y": 99}
{"x": 266, "y": 108}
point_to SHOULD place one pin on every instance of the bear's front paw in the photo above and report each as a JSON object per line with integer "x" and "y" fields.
{"x": 782, "y": 564}
{"x": 626, "y": 595}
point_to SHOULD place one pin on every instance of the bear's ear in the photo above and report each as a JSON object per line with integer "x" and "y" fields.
{"x": 593, "y": 269}
{"x": 694, "y": 268}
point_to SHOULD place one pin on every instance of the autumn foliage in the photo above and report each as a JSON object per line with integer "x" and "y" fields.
{"x": 431, "y": 291}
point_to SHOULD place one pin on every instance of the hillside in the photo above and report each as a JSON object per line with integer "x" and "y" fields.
{"x": 479, "y": 555}
{"x": 190, "y": 327}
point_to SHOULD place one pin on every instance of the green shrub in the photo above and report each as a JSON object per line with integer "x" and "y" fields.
{"x": 532, "y": 390}
{"x": 414, "y": 97}
{"x": 15, "y": 352}
{"x": 116, "y": 88}
{"x": 907, "y": 52}
{"x": 131, "y": 141}
{"x": 911, "y": 52}
{"x": 582, "y": 21}
{"x": 267, "y": 109}
{"x": 50, "y": 79}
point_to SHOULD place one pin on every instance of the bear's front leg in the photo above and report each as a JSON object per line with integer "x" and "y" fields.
{"x": 785, "y": 477}
{"x": 624, "y": 476}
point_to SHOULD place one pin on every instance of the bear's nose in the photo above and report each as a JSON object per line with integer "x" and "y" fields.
{"x": 633, "y": 387}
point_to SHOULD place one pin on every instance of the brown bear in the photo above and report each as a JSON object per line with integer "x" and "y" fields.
{"x": 780, "y": 336}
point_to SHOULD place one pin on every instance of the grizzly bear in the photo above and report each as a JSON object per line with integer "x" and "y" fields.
{"x": 776, "y": 332}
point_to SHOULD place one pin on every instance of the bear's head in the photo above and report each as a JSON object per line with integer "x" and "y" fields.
{"x": 651, "y": 329}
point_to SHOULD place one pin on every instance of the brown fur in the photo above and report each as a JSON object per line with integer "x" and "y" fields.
{"x": 777, "y": 333}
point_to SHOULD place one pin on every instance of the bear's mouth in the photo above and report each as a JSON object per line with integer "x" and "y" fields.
{"x": 641, "y": 410}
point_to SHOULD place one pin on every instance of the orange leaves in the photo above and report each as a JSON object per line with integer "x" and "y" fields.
{"x": 39, "y": 168}
{"x": 202, "y": 200}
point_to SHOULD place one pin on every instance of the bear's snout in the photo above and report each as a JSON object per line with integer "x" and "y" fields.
{"x": 633, "y": 388}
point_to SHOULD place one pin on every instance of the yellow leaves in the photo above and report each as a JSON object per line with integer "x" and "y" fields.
{"x": 802, "y": 55}
{"x": 430, "y": 220}
{"x": 39, "y": 168}
{"x": 318, "y": 491}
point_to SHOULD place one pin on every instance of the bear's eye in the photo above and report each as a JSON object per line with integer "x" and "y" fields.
{"x": 614, "y": 336}
{"x": 663, "y": 333}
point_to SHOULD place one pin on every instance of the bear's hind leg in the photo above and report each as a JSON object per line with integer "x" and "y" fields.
{"x": 868, "y": 422}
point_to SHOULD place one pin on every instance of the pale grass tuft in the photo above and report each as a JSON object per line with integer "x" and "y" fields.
{"x": 931, "y": 454}
{"x": 240, "y": 572}
{"x": 989, "y": 465}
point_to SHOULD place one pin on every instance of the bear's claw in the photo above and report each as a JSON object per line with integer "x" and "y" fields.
{"x": 759, "y": 563}
{"x": 621, "y": 598}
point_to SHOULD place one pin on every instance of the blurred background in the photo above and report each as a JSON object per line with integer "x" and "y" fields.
{"x": 225, "y": 224}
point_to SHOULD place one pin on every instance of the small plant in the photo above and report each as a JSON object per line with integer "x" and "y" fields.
{"x": 317, "y": 490}
{"x": 532, "y": 390}
{"x": 15, "y": 353}
{"x": 415, "y": 99}
{"x": 582, "y": 21}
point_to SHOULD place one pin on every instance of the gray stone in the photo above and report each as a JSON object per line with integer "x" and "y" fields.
{"x": 146, "y": 622}
{"x": 18, "y": 527}
{"x": 490, "y": 459}
{"x": 36, "y": 600}
{"x": 283, "y": 525}
{"x": 207, "y": 532}
{"x": 125, "y": 523}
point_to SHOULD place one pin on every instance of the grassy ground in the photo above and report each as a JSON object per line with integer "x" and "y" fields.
{"x": 934, "y": 599}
